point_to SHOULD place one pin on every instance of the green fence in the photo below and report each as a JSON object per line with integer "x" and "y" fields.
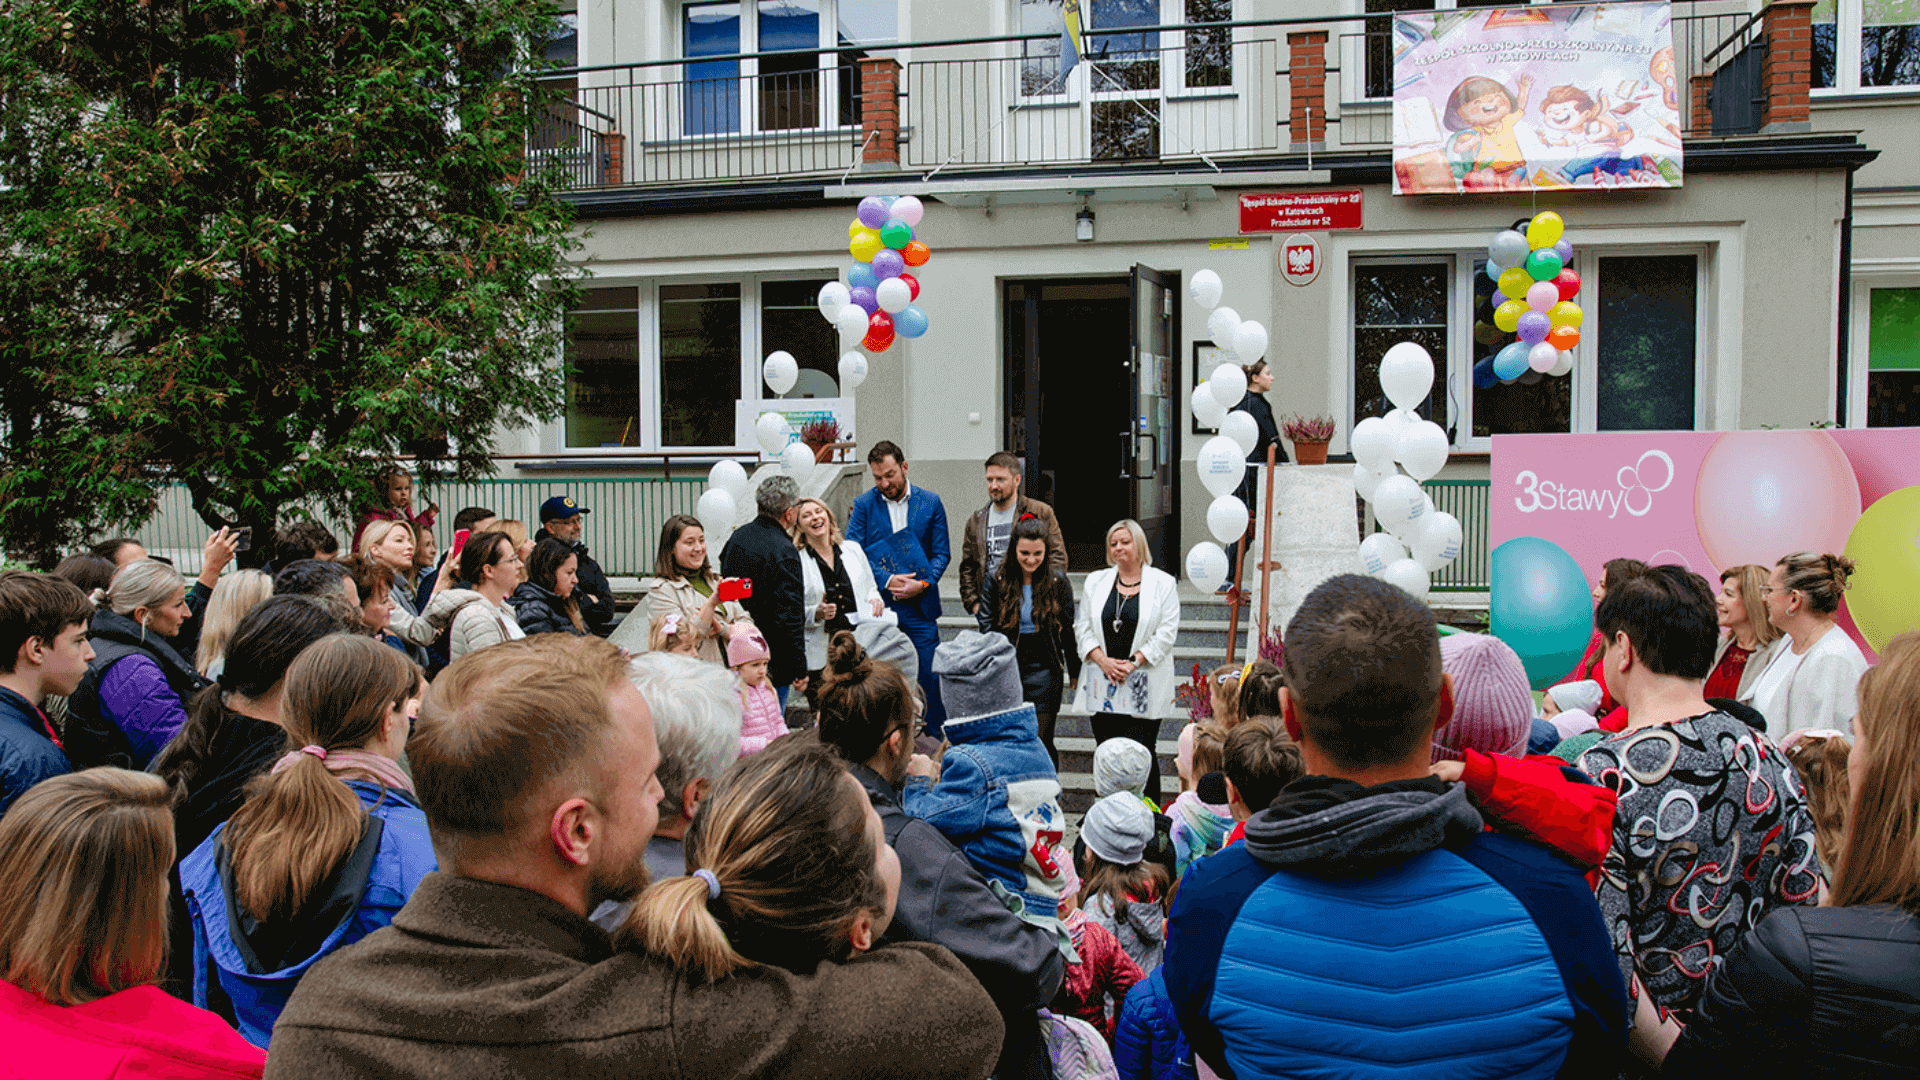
{"x": 1469, "y": 501}
{"x": 622, "y": 531}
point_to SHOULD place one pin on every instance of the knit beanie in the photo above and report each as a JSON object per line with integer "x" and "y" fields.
{"x": 1583, "y": 695}
{"x": 979, "y": 675}
{"x": 1118, "y": 828}
{"x": 745, "y": 646}
{"x": 1069, "y": 874}
{"x": 1121, "y": 765}
{"x": 1492, "y": 705}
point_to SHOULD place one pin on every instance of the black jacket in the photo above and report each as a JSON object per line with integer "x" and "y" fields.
{"x": 1256, "y": 406}
{"x": 592, "y": 592}
{"x": 92, "y": 738}
{"x": 762, "y": 552}
{"x": 1059, "y": 634}
{"x": 1812, "y": 992}
{"x": 27, "y": 752}
{"x": 944, "y": 900}
{"x": 541, "y": 611}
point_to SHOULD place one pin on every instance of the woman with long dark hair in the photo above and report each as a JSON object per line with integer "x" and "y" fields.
{"x": 544, "y": 603}
{"x": 1031, "y": 605}
{"x": 685, "y": 584}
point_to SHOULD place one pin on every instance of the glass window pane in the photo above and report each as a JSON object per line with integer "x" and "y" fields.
{"x": 1826, "y": 29}
{"x": 1893, "y": 358}
{"x": 699, "y": 363}
{"x": 1890, "y": 43}
{"x": 790, "y": 320}
{"x": 1209, "y": 52}
{"x": 1123, "y": 61}
{"x": 1379, "y": 43}
{"x": 563, "y": 42}
{"x": 868, "y": 22}
{"x": 1533, "y": 403}
{"x": 1646, "y": 352}
{"x": 789, "y": 89}
{"x": 603, "y": 370}
{"x": 1040, "y": 59}
{"x": 1392, "y": 304}
{"x": 1126, "y": 130}
{"x": 713, "y": 88}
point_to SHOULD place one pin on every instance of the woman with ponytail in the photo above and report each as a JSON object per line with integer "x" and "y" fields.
{"x": 135, "y": 694}
{"x": 1811, "y": 682}
{"x": 328, "y": 845}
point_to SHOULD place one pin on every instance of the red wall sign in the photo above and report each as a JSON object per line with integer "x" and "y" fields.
{"x": 1292, "y": 211}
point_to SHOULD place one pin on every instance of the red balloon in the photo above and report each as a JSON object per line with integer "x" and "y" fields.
{"x": 1568, "y": 282}
{"x": 913, "y": 285}
{"x": 879, "y": 332}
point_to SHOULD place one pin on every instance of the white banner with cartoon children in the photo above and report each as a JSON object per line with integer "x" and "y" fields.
{"x": 1533, "y": 98}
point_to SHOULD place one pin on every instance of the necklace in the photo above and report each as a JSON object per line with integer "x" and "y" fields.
{"x": 1119, "y": 608}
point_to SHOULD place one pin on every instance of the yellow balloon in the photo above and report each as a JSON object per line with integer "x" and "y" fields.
{"x": 855, "y": 227}
{"x": 1507, "y": 315}
{"x": 1566, "y": 313}
{"x": 1514, "y": 282}
{"x": 1544, "y": 230}
{"x": 1884, "y": 595}
{"x": 866, "y": 245}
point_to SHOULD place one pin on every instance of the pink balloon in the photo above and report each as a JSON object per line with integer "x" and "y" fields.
{"x": 1760, "y": 495}
{"x": 1542, "y": 295}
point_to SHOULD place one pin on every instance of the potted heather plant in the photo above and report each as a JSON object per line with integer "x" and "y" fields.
{"x": 1309, "y": 436}
{"x": 823, "y": 437}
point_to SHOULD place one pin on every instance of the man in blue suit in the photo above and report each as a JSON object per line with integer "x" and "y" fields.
{"x": 903, "y": 530}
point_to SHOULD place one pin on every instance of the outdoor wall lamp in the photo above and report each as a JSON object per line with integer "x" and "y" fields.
{"x": 1083, "y": 226}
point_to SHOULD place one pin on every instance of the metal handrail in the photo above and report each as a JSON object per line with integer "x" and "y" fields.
{"x": 1744, "y": 27}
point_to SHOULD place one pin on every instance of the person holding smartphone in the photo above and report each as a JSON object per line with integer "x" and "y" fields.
{"x": 684, "y": 582}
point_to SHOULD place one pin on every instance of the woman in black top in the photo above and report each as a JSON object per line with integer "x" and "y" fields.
{"x": 1032, "y": 606}
{"x": 1259, "y": 381}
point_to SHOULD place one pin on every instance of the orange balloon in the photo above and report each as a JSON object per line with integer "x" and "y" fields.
{"x": 1563, "y": 337}
{"x": 915, "y": 253}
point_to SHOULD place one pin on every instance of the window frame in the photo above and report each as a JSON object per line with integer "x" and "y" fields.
{"x": 1078, "y": 90}
{"x": 1353, "y": 47}
{"x": 1868, "y": 275}
{"x": 1442, "y": 381}
{"x": 826, "y": 65}
{"x": 1849, "y": 28}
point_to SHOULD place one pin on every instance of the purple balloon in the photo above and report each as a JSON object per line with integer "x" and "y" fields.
{"x": 1533, "y": 327}
{"x": 1564, "y": 250}
{"x": 872, "y": 212}
{"x": 887, "y": 263}
{"x": 864, "y": 297}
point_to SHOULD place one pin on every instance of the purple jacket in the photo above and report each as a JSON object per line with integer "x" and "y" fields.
{"x": 136, "y": 696}
{"x": 133, "y": 698}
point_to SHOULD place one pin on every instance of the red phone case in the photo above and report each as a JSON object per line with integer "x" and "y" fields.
{"x": 736, "y": 590}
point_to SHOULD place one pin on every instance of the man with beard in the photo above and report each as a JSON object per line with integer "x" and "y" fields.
{"x": 903, "y": 530}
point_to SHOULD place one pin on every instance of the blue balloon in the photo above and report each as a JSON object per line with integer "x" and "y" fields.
{"x": 910, "y": 322}
{"x": 1511, "y": 362}
{"x": 861, "y": 276}
{"x": 1541, "y": 606}
{"x": 1483, "y": 375}
{"x": 1494, "y": 270}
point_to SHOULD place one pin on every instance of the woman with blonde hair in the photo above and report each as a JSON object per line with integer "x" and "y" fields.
{"x": 1748, "y": 641}
{"x": 237, "y": 594}
{"x": 134, "y": 697}
{"x": 1835, "y": 990}
{"x": 684, "y": 591}
{"x": 388, "y": 545}
{"x": 329, "y": 844}
{"x": 83, "y": 937}
{"x": 836, "y": 581}
{"x": 1810, "y": 682}
{"x": 516, "y": 531}
{"x": 1124, "y": 627}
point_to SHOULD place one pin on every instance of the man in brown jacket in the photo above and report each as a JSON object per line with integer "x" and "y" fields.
{"x": 984, "y": 543}
{"x": 534, "y": 761}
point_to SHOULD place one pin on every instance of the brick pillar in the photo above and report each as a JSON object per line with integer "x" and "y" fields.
{"x": 1307, "y": 88}
{"x": 1786, "y": 78}
{"x": 1700, "y": 105}
{"x": 616, "y": 164}
{"x": 880, "y": 112}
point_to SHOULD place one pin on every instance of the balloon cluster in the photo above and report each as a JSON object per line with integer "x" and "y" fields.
{"x": 1223, "y": 459}
{"x": 1419, "y": 539}
{"x": 1530, "y": 269}
{"x": 728, "y": 501}
{"x": 877, "y": 302}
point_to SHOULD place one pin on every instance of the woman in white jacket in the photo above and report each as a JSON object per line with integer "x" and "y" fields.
{"x": 478, "y": 617}
{"x": 1128, "y": 618}
{"x": 836, "y": 581}
{"x": 1812, "y": 682}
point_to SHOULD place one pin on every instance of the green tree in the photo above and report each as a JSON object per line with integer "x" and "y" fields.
{"x": 259, "y": 246}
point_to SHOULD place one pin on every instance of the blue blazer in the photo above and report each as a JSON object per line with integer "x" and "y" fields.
{"x": 870, "y": 526}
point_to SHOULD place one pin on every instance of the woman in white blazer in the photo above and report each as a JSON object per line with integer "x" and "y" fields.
{"x": 836, "y": 582}
{"x": 1128, "y": 618}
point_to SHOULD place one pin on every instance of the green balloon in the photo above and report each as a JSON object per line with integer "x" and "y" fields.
{"x": 1542, "y": 265}
{"x": 898, "y": 234}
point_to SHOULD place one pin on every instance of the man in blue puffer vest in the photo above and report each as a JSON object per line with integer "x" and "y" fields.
{"x": 1370, "y": 927}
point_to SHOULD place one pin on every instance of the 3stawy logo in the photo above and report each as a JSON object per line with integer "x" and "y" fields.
{"x": 1638, "y": 483}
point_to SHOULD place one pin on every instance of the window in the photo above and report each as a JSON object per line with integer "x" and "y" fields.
{"x": 1375, "y": 43}
{"x": 813, "y": 82}
{"x": 1529, "y": 405}
{"x": 665, "y": 366}
{"x": 1893, "y": 358}
{"x": 1395, "y": 302}
{"x": 1865, "y": 44}
{"x": 1646, "y": 342}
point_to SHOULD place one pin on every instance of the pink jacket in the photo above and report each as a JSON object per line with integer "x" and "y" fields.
{"x": 761, "y": 720}
{"x": 139, "y": 1032}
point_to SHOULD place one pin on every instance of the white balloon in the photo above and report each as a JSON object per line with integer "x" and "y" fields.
{"x": 1398, "y": 502}
{"x": 1543, "y": 357}
{"x": 1229, "y": 384}
{"x": 1364, "y": 481}
{"x": 1242, "y": 428}
{"x": 1379, "y": 551}
{"x": 852, "y": 322}
{"x": 893, "y": 295}
{"x": 1205, "y": 288}
{"x": 1564, "y": 365}
{"x": 717, "y": 509}
{"x": 780, "y": 370}
{"x": 1227, "y": 518}
{"x": 1408, "y": 575}
{"x": 1207, "y": 408}
{"x": 797, "y": 459}
{"x": 772, "y": 431}
{"x": 1221, "y": 464}
{"x": 1436, "y": 542}
{"x": 728, "y": 476}
{"x": 907, "y": 208}
{"x": 1250, "y": 341}
{"x": 853, "y": 369}
{"x": 833, "y": 297}
{"x": 1221, "y": 324}
{"x": 1395, "y": 418}
{"x": 1421, "y": 449}
{"x": 1406, "y": 374}
{"x": 1372, "y": 444}
{"x": 1207, "y": 566}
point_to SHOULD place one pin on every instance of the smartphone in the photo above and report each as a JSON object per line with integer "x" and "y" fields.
{"x": 735, "y": 589}
{"x": 244, "y": 535}
{"x": 459, "y": 541}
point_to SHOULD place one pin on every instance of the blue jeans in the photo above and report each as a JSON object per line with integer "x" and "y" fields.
{"x": 783, "y": 691}
{"x": 925, "y": 635}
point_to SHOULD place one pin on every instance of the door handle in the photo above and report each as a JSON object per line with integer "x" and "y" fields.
{"x": 1127, "y": 449}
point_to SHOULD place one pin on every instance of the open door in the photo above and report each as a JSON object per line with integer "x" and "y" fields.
{"x": 1150, "y": 440}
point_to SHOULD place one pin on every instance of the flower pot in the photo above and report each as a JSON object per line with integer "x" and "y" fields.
{"x": 1310, "y": 453}
{"x": 821, "y": 451}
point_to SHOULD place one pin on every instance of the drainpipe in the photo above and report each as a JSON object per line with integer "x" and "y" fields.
{"x": 1844, "y": 330}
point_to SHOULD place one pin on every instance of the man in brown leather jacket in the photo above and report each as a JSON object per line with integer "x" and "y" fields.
{"x": 985, "y": 541}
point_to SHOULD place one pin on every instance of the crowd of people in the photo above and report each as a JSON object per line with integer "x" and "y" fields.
{"x": 386, "y": 815}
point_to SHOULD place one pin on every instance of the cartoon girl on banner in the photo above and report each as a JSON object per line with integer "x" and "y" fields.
{"x": 1485, "y": 151}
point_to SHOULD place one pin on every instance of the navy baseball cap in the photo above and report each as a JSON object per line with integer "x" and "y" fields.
{"x": 560, "y": 506}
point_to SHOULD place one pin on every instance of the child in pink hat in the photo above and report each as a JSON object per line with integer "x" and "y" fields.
{"x": 761, "y": 719}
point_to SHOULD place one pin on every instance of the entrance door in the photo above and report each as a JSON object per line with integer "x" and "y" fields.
{"x": 1151, "y": 435}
